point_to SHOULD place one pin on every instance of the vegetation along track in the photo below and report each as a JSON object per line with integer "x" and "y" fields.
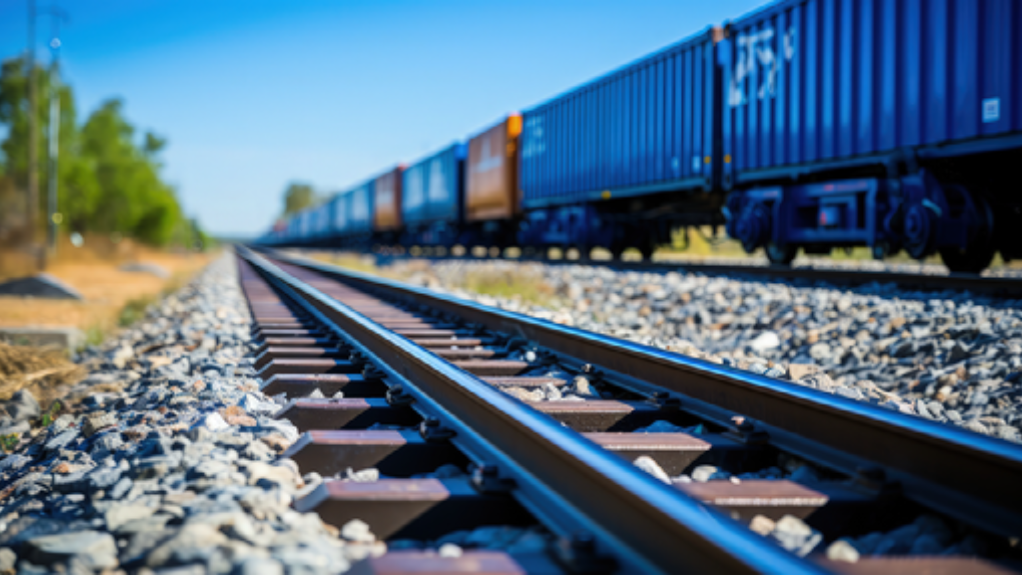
{"x": 429, "y": 369}
{"x": 1009, "y": 287}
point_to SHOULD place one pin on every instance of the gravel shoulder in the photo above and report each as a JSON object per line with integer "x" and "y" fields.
{"x": 166, "y": 457}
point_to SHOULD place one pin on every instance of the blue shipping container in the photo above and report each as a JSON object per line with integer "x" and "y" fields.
{"x": 433, "y": 188}
{"x": 813, "y": 84}
{"x": 644, "y": 128}
{"x": 359, "y": 209}
{"x": 336, "y": 209}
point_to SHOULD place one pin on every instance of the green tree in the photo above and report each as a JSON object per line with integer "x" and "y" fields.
{"x": 108, "y": 182}
{"x": 14, "y": 114}
{"x": 297, "y": 197}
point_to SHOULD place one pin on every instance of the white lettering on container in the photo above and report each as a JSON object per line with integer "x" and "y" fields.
{"x": 532, "y": 132}
{"x": 991, "y": 110}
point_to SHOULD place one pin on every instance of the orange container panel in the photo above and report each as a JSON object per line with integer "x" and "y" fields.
{"x": 491, "y": 187}
{"x": 388, "y": 201}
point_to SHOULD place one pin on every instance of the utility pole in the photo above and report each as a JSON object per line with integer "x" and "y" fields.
{"x": 53, "y": 217}
{"x": 33, "y": 144}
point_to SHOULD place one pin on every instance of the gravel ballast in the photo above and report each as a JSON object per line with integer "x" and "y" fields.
{"x": 166, "y": 459}
{"x": 950, "y": 356}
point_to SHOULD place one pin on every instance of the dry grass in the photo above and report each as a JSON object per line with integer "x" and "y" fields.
{"x": 94, "y": 271}
{"x": 351, "y": 261}
{"x": 44, "y": 372}
{"x": 525, "y": 285}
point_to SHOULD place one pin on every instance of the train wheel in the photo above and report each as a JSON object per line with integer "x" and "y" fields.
{"x": 780, "y": 255}
{"x": 980, "y": 250}
{"x": 971, "y": 260}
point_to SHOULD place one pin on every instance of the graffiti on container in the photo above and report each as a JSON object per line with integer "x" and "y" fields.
{"x": 753, "y": 50}
{"x": 437, "y": 187}
{"x": 534, "y": 144}
{"x": 489, "y": 160}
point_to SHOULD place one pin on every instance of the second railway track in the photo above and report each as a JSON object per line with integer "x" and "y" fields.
{"x": 1002, "y": 287}
{"x": 440, "y": 380}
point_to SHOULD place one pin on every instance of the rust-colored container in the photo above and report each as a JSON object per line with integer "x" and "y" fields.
{"x": 491, "y": 187}
{"x": 388, "y": 201}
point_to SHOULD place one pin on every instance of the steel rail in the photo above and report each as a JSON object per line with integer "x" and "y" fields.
{"x": 659, "y": 526}
{"x": 997, "y": 287}
{"x": 964, "y": 474}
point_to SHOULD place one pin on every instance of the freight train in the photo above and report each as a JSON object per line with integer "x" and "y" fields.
{"x": 805, "y": 125}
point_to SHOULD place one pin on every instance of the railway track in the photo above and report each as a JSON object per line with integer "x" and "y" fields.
{"x": 429, "y": 380}
{"x": 991, "y": 286}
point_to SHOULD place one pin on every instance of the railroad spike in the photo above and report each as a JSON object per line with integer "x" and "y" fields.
{"x": 744, "y": 430}
{"x": 665, "y": 401}
{"x": 431, "y": 430}
{"x": 397, "y": 396}
{"x": 487, "y": 480}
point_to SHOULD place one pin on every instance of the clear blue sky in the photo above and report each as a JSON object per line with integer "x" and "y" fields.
{"x": 254, "y": 94}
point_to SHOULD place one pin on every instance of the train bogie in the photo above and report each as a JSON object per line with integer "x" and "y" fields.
{"x": 867, "y": 122}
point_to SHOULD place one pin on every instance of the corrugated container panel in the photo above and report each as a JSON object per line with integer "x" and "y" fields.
{"x": 359, "y": 209}
{"x": 321, "y": 220}
{"x": 432, "y": 188}
{"x": 491, "y": 183}
{"x": 337, "y": 212}
{"x": 639, "y": 129}
{"x": 387, "y": 201}
{"x": 810, "y": 84}
{"x": 303, "y": 225}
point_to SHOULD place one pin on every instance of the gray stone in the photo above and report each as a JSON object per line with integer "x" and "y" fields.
{"x": 581, "y": 387}
{"x": 703, "y": 473}
{"x": 155, "y": 467}
{"x": 957, "y": 353}
{"x": 7, "y": 559}
{"x": 121, "y": 514}
{"x": 849, "y": 392}
{"x": 43, "y": 286}
{"x": 796, "y": 536}
{"x": 61, "y": 440}
{"x": 22, "y": 406}
{"x": 193, "y": 542}
{"x": 66, "y": 338}
{"x": 96, "y": 550}
{"x": 764, "y": 341}
{"x": 647, "y": 464}
{"x": 819, "y": 351}
{"x": 95, "y": 422}
{"x": 121, "y": 488}
{"x": 358, "y": 531}
{"x": 259, "y": 566}
{"x": 842, "y": 550}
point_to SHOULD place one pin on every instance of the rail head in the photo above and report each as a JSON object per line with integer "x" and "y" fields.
{"x": 938, "y": 465}
{"x": 637, "y": 516}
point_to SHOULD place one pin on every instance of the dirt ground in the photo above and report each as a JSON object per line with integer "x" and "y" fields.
{"x": 93, "y": 271}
